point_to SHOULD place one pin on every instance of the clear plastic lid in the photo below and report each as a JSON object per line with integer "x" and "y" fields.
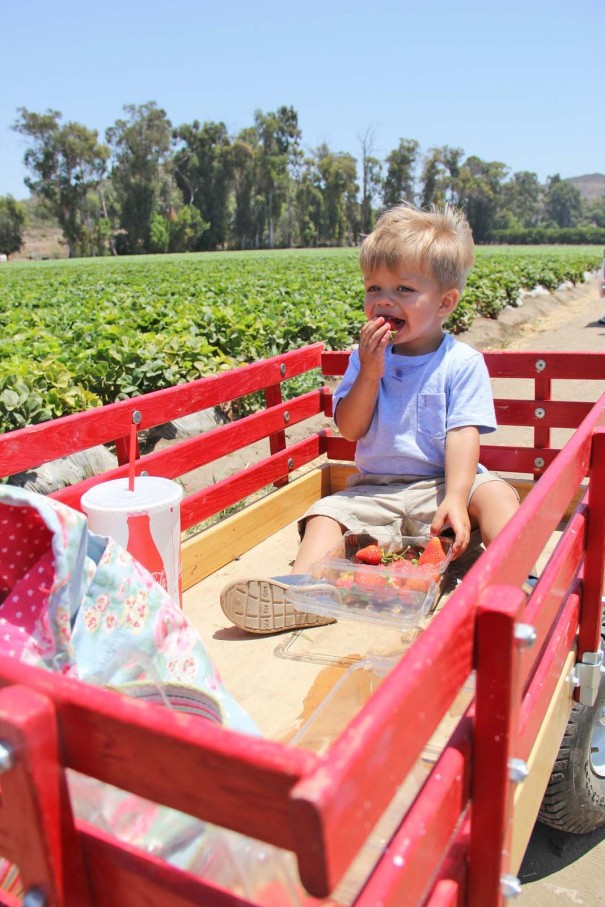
{"x": 149, "y": 493}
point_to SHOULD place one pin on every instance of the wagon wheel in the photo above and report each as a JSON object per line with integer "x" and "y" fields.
{"x": 574, "y": 800}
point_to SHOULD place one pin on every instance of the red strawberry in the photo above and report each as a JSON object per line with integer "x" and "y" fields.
{"x": 371, "y": 554}
{"x": 371, "y": 581}
{"x": 433, "y": 554}
{"x": 415, "y": 583}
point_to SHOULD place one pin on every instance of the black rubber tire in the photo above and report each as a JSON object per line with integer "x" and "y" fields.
{"x": 574, "y": 800}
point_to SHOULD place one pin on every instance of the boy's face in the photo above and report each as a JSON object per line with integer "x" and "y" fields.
{"x": 413, "y": 304}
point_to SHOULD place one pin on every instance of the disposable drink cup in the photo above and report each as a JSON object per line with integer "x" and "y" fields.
{"x": 145, "y": 520}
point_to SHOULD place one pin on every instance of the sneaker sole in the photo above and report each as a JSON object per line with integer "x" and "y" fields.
{"x": 261, "y": 606}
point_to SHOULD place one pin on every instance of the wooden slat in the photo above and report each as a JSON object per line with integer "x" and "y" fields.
{"x": 208, "y": 501}
{"x": 210, "y": 550}
{"x": 512, "y": 554}
{"x": 376, "y": 751}
{"x": 127, "y": 876}
{"x": 548, "y": 669}
{"x": 552, "y": 590}
{"x": 35, "y": 802}
{"x": 149, "y": 750}
{"x": 36, "y": 444}
{"x": 528, "y": 794}
{"x": 187, "y": 455}
{"x": 592, "y": 604}
{"x": 500, "y": 458}
{"x": 509, "y": 364}
{"x": 407, "y": 866}
{"x": 497, "y": 700}
{"x": 557, "y": 413}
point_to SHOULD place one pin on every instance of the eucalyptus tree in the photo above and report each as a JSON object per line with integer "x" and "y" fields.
{"x": 479, "y": 193}
{"x": 249, "y": 213}
{"x": 440, "y": 176}
{"x": 336, "y": 179}
{"x": 562, "y": 202}
{"x": 65, "y": 162}
{"x": 141, "y": 171}
{"x": 371, "y": 178}
{"x": 278, "y": 137}
{"x": 12, "y": 220}
{"x": 309, "y": 206}
{"x": 203, "y": 170}
{"x": 400, "y": 180}
{"x": 521, "y": 200}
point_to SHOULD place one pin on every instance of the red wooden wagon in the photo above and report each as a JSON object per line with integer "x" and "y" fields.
{"x": 537, "y": 663}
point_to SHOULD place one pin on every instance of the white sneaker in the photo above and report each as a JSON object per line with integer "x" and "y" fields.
{"x": 261, "y": 606}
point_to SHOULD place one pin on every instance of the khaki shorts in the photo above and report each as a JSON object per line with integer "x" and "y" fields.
{"x": 406, "y": 504}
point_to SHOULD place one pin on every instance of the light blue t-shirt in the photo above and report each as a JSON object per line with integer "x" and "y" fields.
{"x": 420, "y": 399}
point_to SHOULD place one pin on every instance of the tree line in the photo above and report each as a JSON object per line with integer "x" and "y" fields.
{"x": 152, "y": 187}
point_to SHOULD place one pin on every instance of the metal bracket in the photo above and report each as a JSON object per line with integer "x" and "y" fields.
{"x": 587, "y": 676}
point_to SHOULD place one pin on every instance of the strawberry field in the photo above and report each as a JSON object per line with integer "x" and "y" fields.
{"x": 80, "y": 333}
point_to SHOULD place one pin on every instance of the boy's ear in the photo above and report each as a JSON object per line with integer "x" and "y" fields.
{"x": 449, "y": 301}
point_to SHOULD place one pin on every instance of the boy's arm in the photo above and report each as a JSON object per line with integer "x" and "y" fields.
{"x": 461, "y": 461}
{"x": 355, "y": 410}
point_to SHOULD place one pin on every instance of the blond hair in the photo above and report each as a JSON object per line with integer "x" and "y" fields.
{"x": 438, "y": 242}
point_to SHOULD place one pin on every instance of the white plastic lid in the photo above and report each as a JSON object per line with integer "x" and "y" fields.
{"x": 150, "y": 493}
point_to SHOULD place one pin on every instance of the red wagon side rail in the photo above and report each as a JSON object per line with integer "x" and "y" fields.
{"x": 458, "y": 842}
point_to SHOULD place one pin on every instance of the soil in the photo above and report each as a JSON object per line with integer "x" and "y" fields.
{"x": 41, "y": 243}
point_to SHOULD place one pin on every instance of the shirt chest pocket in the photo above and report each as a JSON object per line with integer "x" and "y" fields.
{"x": 431, "y": 413}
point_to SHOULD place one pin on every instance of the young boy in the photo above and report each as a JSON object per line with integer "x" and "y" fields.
{"x": 415, "y": 400}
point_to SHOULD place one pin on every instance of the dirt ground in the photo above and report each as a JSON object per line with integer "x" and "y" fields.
{"x": 557, "y": 869}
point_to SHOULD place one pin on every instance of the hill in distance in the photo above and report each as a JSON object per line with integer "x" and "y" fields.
{"x": 592, "y": 185}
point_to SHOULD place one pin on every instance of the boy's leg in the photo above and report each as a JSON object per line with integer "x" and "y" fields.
{"x": 261, "y": 605}
{"x": 321, "y": 534}
{"x": 491, "y": 507}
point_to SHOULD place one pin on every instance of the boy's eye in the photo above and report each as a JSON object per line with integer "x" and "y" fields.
{"x": 405, "y": 289}
{"x": 372, "y": 289}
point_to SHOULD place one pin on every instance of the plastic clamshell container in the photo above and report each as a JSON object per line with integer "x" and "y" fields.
{"x": 339, "y": 587}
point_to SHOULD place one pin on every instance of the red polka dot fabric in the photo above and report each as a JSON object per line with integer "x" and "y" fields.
{"x": 26, "y": 575}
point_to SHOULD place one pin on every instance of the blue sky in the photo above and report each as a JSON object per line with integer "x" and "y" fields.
{"x": 518, "y": 82}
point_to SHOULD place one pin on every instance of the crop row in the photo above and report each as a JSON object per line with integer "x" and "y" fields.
{"x": 75, "y": 334}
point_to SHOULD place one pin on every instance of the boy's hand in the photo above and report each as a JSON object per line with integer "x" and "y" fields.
{"x": 453, "y": 513}
{"x": 373, "y": 341}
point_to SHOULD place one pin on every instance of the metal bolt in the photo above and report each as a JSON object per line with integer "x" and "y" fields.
{"x": 144, "y": 472}
{"x": 7, "y": 757}
{"x": 286, "y": 416}
{"x": 539, "y": 462}
{"x": 517, "y": 770}
{"x": 282, "y": 368}
{"x": 35, "y": 897}
{"x": 137, "y": 417}
{"x": 540, "y": 365}
{"x": 539, "y": 412}
{"x": 510, "y": 886}
{"x": 290, "y": 463}
{"x": 525, "y": 635}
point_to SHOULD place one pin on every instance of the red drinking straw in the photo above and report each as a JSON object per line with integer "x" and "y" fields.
{"x": 132, "y": 453}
